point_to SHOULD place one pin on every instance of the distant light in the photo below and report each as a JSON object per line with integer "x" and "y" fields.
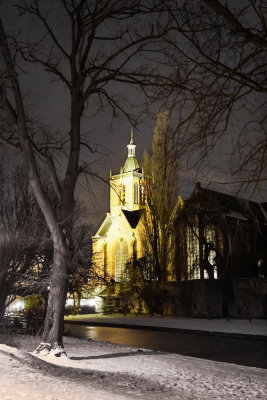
{"x": 260, "y": 262}
{"x": 88, "y": 302}
{"x": 83, "y": 302}
{"x": 18, "y": 306}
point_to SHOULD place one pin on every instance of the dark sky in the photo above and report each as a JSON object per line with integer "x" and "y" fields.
{"x": 48, "y": 103}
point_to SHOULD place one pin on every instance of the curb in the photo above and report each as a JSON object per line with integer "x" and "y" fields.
{"x": 168, "y": 329}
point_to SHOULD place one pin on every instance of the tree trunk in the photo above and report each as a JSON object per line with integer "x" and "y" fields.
{"x": 3, "y": 297}
{"x": 54, "y": 321}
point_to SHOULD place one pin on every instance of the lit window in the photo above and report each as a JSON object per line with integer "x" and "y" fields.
{"x": 136, "y": 193}
{"x": 117, "y": 263}
{"x": 124, "y": 260}
{"x": 210, "y": 236}
{"x": 193, "y": 253}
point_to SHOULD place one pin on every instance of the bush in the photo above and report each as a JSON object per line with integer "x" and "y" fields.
{"x": 34, "y": 312}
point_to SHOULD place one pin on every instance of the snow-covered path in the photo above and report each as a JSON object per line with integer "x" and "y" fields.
{"x": 19, "y": 381}
{"x": 102, "y": 371}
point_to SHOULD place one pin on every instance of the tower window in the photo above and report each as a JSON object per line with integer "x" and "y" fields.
{"x": 142, "y": 189}
{"x": 121, "y": 193}
{"x": 136, "y": 193}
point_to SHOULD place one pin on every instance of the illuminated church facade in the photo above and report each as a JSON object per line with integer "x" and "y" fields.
{"x": 119, "y": 236}
{"x": 218, "y": 237}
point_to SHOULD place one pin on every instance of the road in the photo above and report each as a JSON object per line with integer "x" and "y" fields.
{"x": 242, "y": 351}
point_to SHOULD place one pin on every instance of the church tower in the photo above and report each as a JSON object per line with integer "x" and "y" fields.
{"x": 118, "y": 238}
{"x": 126, "y": 190}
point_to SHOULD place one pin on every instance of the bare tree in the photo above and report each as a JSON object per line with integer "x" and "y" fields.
{"x": 215, "y": 54}
{"x": 25, "y": 244}
{"x": 96, "y": 51}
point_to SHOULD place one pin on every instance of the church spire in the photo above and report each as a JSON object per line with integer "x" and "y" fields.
{"x": 131, "y": 146}
{"x": 131, "y": 163}
{"x": 131, "y": 141}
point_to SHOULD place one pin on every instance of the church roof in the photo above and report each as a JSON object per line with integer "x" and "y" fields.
{"x": 131, "y": 164}
{"x": 104, "y": 227}
{"x": 133, "y": 217}
{"x": 231, "y": 206}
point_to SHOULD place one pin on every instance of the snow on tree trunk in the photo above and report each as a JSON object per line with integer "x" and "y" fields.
{"x": 52, "y": 341}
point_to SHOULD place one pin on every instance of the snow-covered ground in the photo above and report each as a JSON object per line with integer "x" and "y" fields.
{"x": 239, "y": 326}
{"x": 104, "y": 371}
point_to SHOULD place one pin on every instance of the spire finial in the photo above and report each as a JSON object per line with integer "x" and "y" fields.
{"x": 132, "y": 141}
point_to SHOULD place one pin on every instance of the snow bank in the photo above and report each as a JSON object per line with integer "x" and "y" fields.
{"x": 125, "y": 373}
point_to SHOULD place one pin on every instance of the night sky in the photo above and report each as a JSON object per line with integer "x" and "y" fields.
{"x": 48, "y": 103}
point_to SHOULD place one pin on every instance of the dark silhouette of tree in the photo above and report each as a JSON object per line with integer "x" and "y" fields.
{"x": 142, "y": 291}
{"x": 215, "y": 53}
{"x": 26, "y": 249}
{"x": 25, "y": 245}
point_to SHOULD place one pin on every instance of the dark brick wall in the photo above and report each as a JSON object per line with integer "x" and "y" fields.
{"x": 237, "y": 298}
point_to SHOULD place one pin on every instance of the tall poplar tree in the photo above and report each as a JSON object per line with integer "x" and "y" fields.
{"x": 162, "y": 205}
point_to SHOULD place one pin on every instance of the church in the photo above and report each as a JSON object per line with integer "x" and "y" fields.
{"x": 219, "y": 263}
{"x": 118, "y": 238}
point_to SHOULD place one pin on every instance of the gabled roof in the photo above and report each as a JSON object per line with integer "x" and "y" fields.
{"x": 104, "y": 226}
{"x": 133, "y": 217}
{"x": 231, "y": 206}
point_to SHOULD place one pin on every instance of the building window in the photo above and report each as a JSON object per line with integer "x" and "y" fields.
{"x": 135, "y": 250}
{"x": 124, "y": 260}
{"x": 117, "y": 263}
{"x": 201, "y": 252}
{"x": 121, "y": 259}
{"x": 121, "y": 193}
{"x": 192, "y": 245}
{"x": 142, "y": 193}
{"x": 105, "y": 260}
{"x": 136, "y": 193}
{"x": 209, "y": 251}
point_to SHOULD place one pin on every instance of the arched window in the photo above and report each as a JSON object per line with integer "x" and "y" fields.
{"x": 135, "y": 249}
{"x": 124, "y": 260}
{"x": 136, "y": 193}
{"x": 105, "y": 259}
{"x": 117, "y": 263}
{"x": 142, "y": 193}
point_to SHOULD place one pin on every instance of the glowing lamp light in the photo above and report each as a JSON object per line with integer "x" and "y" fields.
{"x": 88, "y": 302}
{"x": 18, "y": 306}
